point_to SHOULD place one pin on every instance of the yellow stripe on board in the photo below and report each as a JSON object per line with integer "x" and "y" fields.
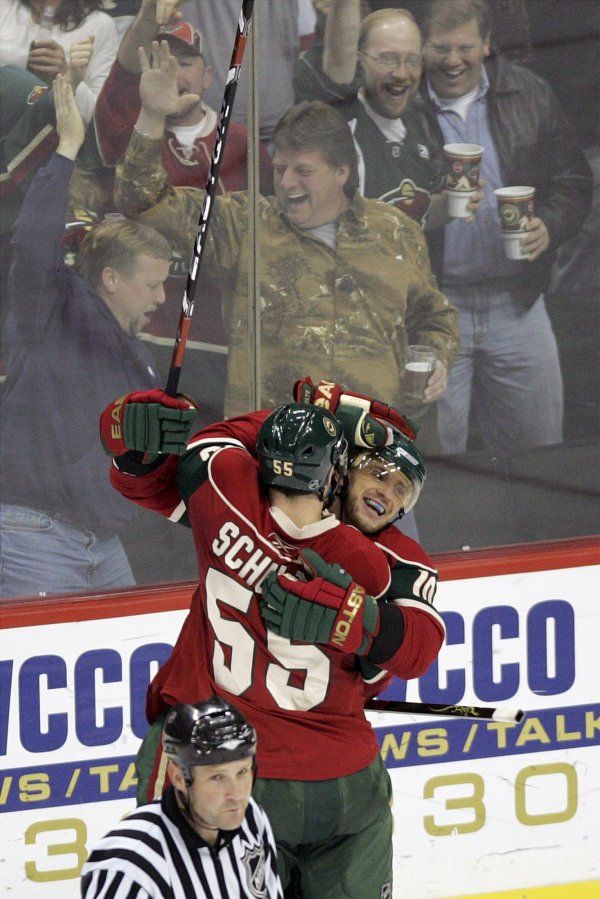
{"x": 585, "y": 889}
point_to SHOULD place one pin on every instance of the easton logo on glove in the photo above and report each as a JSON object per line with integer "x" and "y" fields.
{"x": 150, "y": 421}
{"x": 330, "y": 608}
{"x": 116, "y": 416}
{"x": 326, "y": 394}
{"x": 343, "y": 624}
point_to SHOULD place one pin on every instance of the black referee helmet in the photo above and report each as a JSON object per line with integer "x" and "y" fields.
{"x": 206, "y": 733}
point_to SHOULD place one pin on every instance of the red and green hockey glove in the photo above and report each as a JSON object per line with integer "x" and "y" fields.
{"x": 150, "y": 421}
{"x": 364, "y": 420}
{"x": 331, "y": 608}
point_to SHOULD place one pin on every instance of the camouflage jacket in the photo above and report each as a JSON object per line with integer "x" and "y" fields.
{"x": 345, "y": 314}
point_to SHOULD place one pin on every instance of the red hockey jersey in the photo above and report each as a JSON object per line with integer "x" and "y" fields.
{"x": 413, "y": 584}
{"x": 413, "y": 576}
{"x": 116, "y": 112}
{"x": 305, "y": 701}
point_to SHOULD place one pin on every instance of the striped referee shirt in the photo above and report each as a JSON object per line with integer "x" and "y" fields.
{"x": 155, "y": 854}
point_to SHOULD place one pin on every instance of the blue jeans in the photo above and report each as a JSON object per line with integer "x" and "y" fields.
{"x": 507, "y": 375}
{"x": 40, "y": 554}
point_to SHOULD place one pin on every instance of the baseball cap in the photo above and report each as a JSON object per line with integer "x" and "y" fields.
{"x": 182, "y": 33}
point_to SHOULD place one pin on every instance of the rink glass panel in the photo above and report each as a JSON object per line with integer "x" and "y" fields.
{"x": 472, "y": 500}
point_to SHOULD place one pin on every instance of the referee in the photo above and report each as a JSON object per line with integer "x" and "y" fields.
{"x": 206, "y": 838}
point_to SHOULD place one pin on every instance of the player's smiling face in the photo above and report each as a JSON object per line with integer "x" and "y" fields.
{"x": 375, "y": 495}
{"x": 391, "y": 62}
{"x": 454, "y": 59}
{"x": 309, "y": 191}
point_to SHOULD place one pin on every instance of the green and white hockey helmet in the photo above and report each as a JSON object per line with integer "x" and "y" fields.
{"x": 298, "y": 445}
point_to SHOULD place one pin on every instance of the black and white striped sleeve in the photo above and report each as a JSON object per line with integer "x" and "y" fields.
{"x": 129, "y": 862}
{"x": 149, "y": 857}
{"x": 101, "y": 883}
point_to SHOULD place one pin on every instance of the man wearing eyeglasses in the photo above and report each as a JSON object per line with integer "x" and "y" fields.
{"x": 507, "y": 373}
{"x": 399, "y": 156}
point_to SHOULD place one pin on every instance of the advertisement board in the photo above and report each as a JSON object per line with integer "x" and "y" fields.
{"x": 480, "y": 807}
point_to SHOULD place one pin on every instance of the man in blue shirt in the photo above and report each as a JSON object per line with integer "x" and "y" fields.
{"x": 507, "y": 373}
{"x": 70, "y": 346}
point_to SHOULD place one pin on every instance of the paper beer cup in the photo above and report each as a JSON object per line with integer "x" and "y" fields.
{"x": 463, "y": 170}
{"x": 515, "y": 209}
{"x": 420, "y": 362}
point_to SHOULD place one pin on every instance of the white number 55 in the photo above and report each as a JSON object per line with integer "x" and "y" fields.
{"x": 235, "y": 670}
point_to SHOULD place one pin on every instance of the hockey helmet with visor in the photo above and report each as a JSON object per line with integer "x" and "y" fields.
{"x": 400, "y": 456}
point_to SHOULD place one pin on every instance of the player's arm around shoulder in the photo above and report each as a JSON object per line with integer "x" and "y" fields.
{"x": 413, "y": 574}
{"x": 364, "y": 560}
{"x": 153, "y": 488}
{"x": 223, "y": 464}
{"x": 409, "y": 608}
{"x": 242, "y": 430}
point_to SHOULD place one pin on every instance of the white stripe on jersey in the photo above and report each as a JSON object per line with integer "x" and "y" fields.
{"x": 381, "y": 672}
{"x": 147, "y": 857}
{"x": 216, "y": 441}
{"x": 177, "y": 512}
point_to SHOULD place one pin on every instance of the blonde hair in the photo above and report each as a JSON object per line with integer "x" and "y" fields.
{"x": 117, "y": 245}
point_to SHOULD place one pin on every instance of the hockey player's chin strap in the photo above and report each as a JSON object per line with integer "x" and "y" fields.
{"x": 337, "y": 487}
{"x": 189, "y": 814}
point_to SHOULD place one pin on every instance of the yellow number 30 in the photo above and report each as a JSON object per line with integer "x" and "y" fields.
{"x": 474, "y": 802}
{"x": 75, "y": 847}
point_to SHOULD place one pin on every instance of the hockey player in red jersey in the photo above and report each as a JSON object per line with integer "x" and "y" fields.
{"x": 321, "y": 775}
{"x": 382, "y": 485}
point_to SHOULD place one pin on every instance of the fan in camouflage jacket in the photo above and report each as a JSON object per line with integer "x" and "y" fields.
{"x": 345, "y": 314}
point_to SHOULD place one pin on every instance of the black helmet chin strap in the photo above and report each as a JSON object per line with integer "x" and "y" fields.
{"x": 189, "y": 814}
{"x": 337, "y": 487}
{"x": 185, "y": 805}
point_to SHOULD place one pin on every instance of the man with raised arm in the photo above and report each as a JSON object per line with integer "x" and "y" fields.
{"x": 345, "y": 282}
{"x": 71, "y": 343}
{"x": 370, "y": 70}
{"x": 191, "y": 128}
